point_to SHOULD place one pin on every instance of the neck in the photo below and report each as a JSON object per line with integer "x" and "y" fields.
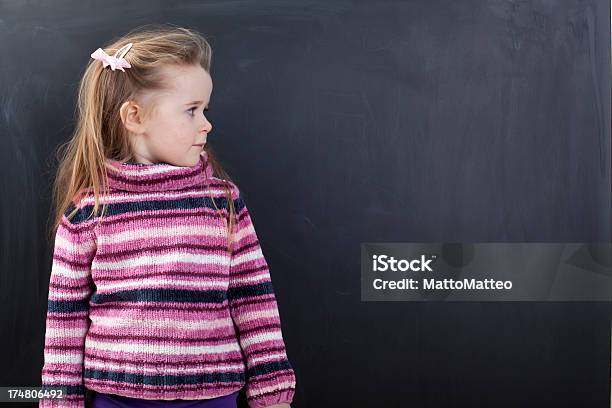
{"x": 143, "y": 177}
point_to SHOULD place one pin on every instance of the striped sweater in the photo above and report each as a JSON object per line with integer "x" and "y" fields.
{"x": 146, "y": 301}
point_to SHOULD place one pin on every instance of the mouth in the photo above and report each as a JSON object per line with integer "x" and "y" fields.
{"x": 199, "y": 144}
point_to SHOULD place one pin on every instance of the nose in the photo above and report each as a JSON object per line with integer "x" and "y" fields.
{"x": 207, "y": 127}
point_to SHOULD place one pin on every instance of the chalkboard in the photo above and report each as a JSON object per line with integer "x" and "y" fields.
{"x": 346, "y": 122}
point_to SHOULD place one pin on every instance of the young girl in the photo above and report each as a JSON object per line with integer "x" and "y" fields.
{"x": 159, "y": 292}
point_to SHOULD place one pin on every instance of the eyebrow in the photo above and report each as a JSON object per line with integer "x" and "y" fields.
{"x": 195, "y": 103}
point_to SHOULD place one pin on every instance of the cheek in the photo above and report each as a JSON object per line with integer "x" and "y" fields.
{"x": 175, "y": 135}
{"x": 184, "y": 132}
{"x": 180, "y": 138}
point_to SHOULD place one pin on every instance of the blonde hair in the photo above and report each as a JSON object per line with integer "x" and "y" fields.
{"x": 99, "y": 132}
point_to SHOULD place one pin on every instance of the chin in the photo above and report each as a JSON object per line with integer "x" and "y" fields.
{"x": 195, "y": 161}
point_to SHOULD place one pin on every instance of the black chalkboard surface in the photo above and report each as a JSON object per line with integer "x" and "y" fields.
{"x": 346, "y": 122}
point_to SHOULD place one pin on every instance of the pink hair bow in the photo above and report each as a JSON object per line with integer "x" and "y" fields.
{"x": 115, "y": 61}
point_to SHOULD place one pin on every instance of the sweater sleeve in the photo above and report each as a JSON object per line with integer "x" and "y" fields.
{"x": 270, "y": 378}
{"x": 70, "y": 286}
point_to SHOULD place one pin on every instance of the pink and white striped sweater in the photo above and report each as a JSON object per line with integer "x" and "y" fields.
{"x": 146, "y": 301}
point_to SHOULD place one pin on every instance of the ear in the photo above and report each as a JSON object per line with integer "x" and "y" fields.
{"x": 132, "y": 117}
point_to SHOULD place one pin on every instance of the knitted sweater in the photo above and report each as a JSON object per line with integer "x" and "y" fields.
{"x": 146, "y": 300}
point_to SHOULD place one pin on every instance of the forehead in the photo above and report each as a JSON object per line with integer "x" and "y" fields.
{"x": 187, "y": 82}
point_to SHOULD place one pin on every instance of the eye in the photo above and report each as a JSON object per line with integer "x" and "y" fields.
{"x": 192, "y": 109}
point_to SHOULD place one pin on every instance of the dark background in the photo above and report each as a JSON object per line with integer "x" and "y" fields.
{"x": 346, "y": 122}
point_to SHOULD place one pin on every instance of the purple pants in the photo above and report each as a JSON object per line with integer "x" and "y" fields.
{"x": 101, "y": 400}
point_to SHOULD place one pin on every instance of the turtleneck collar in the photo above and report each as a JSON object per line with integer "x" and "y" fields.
{"x": 142, "y": 177}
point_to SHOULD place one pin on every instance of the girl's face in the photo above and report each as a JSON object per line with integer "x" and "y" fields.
{"x": 175, "y": 123}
